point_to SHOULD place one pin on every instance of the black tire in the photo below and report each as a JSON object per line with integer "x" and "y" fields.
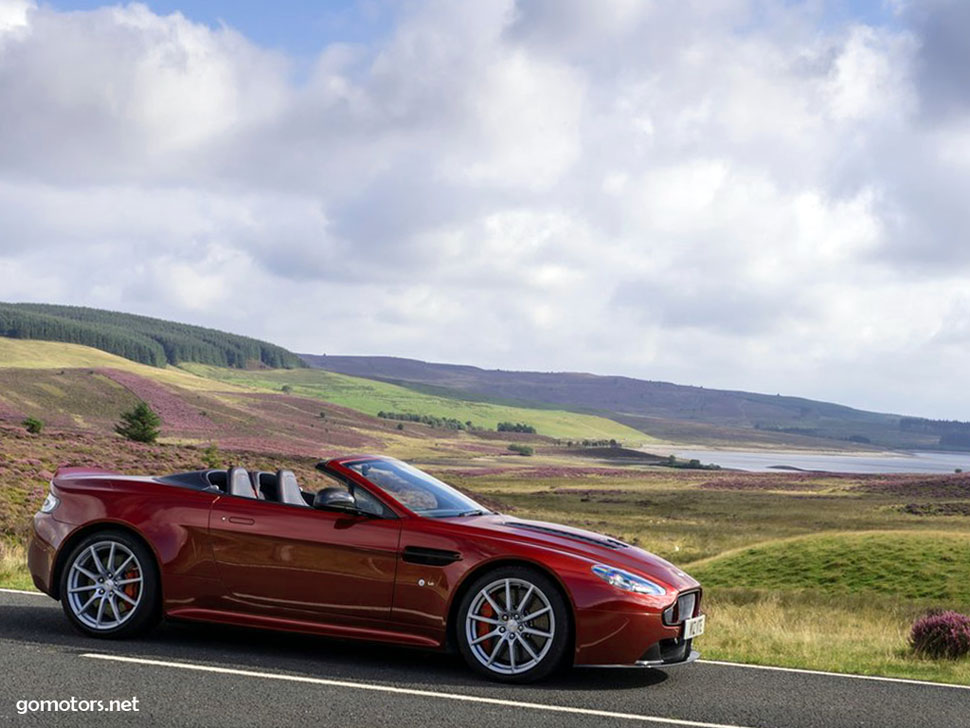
{"x": 129, "y": 620}
{"x": 558, "y": 621}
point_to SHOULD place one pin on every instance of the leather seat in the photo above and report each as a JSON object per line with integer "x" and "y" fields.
{"x": 265, "y": 485}
{"x": 239, "y": 484}
{"x": 289, "y": 489}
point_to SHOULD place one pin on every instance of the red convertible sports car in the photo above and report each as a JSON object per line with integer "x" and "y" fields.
{"x": 385, "y": 552}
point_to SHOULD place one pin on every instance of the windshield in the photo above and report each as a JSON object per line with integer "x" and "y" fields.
{"x": 422, "y": 493}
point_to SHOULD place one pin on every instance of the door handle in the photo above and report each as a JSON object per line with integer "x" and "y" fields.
{"x": 241, "y": 521}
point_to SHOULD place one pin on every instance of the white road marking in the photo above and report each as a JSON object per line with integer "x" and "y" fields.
{"x": 23, "y": 591}
{"x": 412, "y": 691}
{"x": 801, "y": 671}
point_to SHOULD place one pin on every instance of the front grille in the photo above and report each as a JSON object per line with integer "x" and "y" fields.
{"x": 684, "y": 608}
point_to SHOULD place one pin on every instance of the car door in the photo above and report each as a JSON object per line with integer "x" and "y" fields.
{"x": 294, "y": 562}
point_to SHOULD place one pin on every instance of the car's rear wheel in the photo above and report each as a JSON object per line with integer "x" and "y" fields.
{"x": 514, "y": 625}
{"x": 109, "y": 586}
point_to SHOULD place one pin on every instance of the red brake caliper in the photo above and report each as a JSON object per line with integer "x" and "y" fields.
{"x": 130, "y": 588}
{"x": 484, "y": 627}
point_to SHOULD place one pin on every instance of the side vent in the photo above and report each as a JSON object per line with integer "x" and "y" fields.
{"x": 430, "y": 557}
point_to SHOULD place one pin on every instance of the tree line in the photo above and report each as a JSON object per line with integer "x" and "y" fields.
{"x": 934, "y": 427}
{"x": 140, "y": 338}
{"x": 451, "y": 423}
{"x": 447, "y": 423}
{"x": 952, "y": 433}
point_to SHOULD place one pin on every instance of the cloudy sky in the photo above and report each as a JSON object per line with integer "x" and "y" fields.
{"x": 756, "y": 194}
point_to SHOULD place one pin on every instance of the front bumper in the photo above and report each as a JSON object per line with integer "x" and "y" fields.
{"x": 634, "y": 633}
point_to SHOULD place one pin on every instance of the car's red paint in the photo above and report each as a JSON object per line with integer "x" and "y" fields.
{"x": 266, "y": 564}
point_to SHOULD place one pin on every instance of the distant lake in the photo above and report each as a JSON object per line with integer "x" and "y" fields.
{"x": 768, "y": 461}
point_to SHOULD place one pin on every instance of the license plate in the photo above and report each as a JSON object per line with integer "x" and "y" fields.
{"x": 694, "y": 627}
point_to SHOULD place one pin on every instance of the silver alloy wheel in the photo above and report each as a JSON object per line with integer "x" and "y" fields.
{"x": 510, "y": 626}
{"x": 105, "y": 585}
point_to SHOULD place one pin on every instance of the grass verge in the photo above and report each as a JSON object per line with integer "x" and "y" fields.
{"x": 863, "y": 634}
{"x": 13, "y": 567}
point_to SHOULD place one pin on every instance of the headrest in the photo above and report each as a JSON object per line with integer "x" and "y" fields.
{"x": 238, "y": 483}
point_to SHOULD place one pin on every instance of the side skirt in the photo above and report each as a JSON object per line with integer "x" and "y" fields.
{"x": 196, "y": 614}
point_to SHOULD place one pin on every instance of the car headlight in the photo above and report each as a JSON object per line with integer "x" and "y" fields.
{"x": 628, "y": 582}
{"x": 50, "y": 503}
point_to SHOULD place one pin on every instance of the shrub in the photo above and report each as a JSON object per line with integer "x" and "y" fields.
{"x": 286, "y": 389}
{"x": 941, "y": 634}
{"x": 521, "y": 449}
{"x": 515, "y": 427}
{"x": 139, "y": 424}
{"x": 448, "y": 423}
{"x": 211, "y": 456}
{"x": 33, "y": 425}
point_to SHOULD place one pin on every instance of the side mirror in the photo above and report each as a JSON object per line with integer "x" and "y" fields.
{"x": 335, "y": 499}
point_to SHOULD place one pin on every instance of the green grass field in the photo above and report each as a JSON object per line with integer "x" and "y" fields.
{"x": 688, "y": 516}
{"x": 371, "y": 397}
{"x": 917, "y": 566}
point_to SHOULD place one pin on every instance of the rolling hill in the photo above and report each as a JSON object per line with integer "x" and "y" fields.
{"x": 667, "y": 411}
{"x": 563, "y": 405}
{"x": 298, "y": 411}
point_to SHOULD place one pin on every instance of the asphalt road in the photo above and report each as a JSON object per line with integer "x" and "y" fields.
{"x": 200, "y": 675}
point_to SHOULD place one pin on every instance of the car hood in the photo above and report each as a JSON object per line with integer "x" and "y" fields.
{"x": 595, "y": 547}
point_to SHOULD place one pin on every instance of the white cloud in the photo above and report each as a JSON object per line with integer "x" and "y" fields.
{"x": 731, "y": 194}
{"x": 866, "y": 83}
{"x": 13, "y": 14}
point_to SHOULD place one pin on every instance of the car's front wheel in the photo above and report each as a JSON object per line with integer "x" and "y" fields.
{"x": 514, "y": 625}
{"x": 109, "y": 585}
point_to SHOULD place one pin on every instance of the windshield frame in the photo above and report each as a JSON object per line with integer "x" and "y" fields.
{"x": 348, "y": 466}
